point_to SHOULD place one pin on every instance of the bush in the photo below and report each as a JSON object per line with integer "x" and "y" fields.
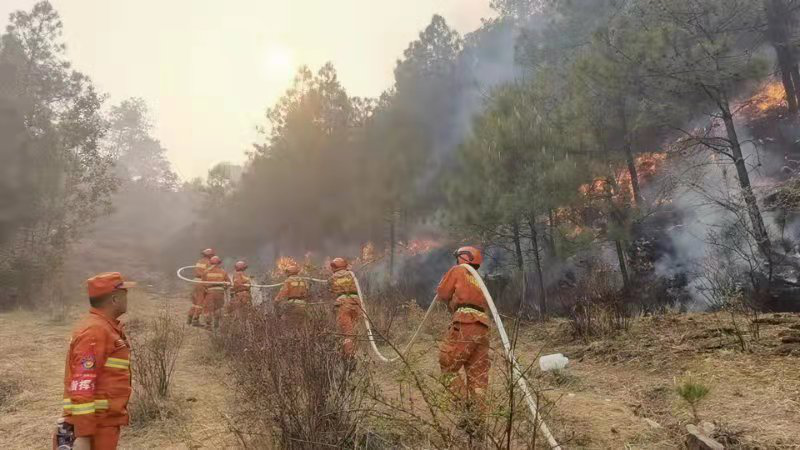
{"x": 601, "y": 309}
{"x": 154, "y": 357}
{"x": 298, "y": 390}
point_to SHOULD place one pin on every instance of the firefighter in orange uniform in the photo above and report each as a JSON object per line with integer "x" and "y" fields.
{"x": 97, "y": 377}
{"x": 347, "y": 306}
{"x": 215, "y": 293}
{"x": 242, "y": 300}
{"x": 466, "y": 343}
{"x": 199, "y": 291}
{"x": 292, "y": 300}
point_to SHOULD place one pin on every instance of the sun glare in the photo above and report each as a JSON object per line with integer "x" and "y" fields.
{"x": 277, "y": 63}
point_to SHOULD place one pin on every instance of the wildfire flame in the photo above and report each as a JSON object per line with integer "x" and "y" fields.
{"x": 769, "y": 98}
{"x": 419, "y": 246}
{"x": 620, "y": 189}
{"x": 367, "y": 252}
{"x": 283, "y": 263}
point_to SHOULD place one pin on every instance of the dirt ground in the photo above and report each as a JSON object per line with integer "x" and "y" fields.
{"x": 618, "y": 391}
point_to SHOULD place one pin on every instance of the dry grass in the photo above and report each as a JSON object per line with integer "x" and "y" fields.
{"x": 33, "y": 350}
{"x": 624, "y": 379}
{"x": 612, "y": 384}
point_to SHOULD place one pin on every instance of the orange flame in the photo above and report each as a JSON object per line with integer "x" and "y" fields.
{"x": 283, "y": 263}
{"x": 769, "y": 98}
{"x": 367, "y": 252}
{"x": 419, "y": 246}
{"x": 621, "y": 190}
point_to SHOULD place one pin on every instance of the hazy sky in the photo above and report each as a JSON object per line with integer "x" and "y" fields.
{"x": 209, "y": 69}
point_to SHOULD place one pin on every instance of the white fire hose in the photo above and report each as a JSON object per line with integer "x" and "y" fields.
{"x": 371, "y": 336}
{"x": 261, "y": 286}
{"x": 517, "y": 372}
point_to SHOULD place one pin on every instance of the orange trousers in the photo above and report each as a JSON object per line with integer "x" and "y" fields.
{"x": 240, "y": 302}
{"x": 213, "y": 304}
{"x": 348, "y": 312}
{"x": 198, "y": 300}
{"x": 105, "y": 438}
{"x": 293, "y": 315}
{"x": 466, "y": 345}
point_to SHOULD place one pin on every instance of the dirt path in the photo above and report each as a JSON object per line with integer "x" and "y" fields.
{"x": 32, "y": 351}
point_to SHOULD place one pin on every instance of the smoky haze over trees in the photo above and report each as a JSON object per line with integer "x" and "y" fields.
{"x": 556, "y": 135}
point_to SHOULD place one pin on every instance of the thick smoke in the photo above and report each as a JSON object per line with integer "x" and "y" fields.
{"x": 706, "y": 184}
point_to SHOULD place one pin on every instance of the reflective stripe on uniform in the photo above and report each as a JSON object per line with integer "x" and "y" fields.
{"x": 467, "y": 309}
{"x": 297, "y": 301}
{"x": 118, "y": 363}
{"x": 98, "y": 404}
{"x": 82, "y": 408}
{"x": 216, "y": 289}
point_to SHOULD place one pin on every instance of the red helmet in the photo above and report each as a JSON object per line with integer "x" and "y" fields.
{"x": 208, "y": 252}
{"x": 468, "y": 255}
{"x": 240, "y": 266}
{"x": 338, "y": 264}
{"x": 215, "y": 260}
{"x": 292, "y": 269}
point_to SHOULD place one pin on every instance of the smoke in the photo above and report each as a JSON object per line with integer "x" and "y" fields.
{"x": 707, "y": 190}
{"x": 487, "y": 61}
{"x": 149, "y": 234}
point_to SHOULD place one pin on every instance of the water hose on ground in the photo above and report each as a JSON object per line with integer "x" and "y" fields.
{"x": 532, "y": 406}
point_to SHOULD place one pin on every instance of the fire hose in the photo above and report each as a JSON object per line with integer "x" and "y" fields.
{"x": 261, "y": 286}
{"x": 517, "y": 372}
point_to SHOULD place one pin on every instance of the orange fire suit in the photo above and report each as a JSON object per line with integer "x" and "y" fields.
{"x": 466, "y": 343}
{"x": 215, "y": 294}
{"x": 348, "y": 308}
{"x": 199, "y": 291}
{"x": 292, "y": 300}
{"x": 242, "y": 299}
{"x": 97, "y": 380}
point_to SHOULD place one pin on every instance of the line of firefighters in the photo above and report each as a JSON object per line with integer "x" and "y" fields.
{"x": 464, "y": 345}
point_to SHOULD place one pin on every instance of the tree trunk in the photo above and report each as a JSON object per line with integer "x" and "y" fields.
{"x": 790, "y": 82}
{"x": 392, "y": 240}
{"x": 520, "y": 261}
{"x": 796, "y": 80}
{"x": 537, "y": 258}
{"x": 629, "y": 159}
{"x": 623, "y": 267}
{"x": 637, "y": 193}
{"x": 759, "y": 230}
{"x": 518, "y": 246}
{"x": 552, "y": 225}
{"x": 778, "y": 21}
